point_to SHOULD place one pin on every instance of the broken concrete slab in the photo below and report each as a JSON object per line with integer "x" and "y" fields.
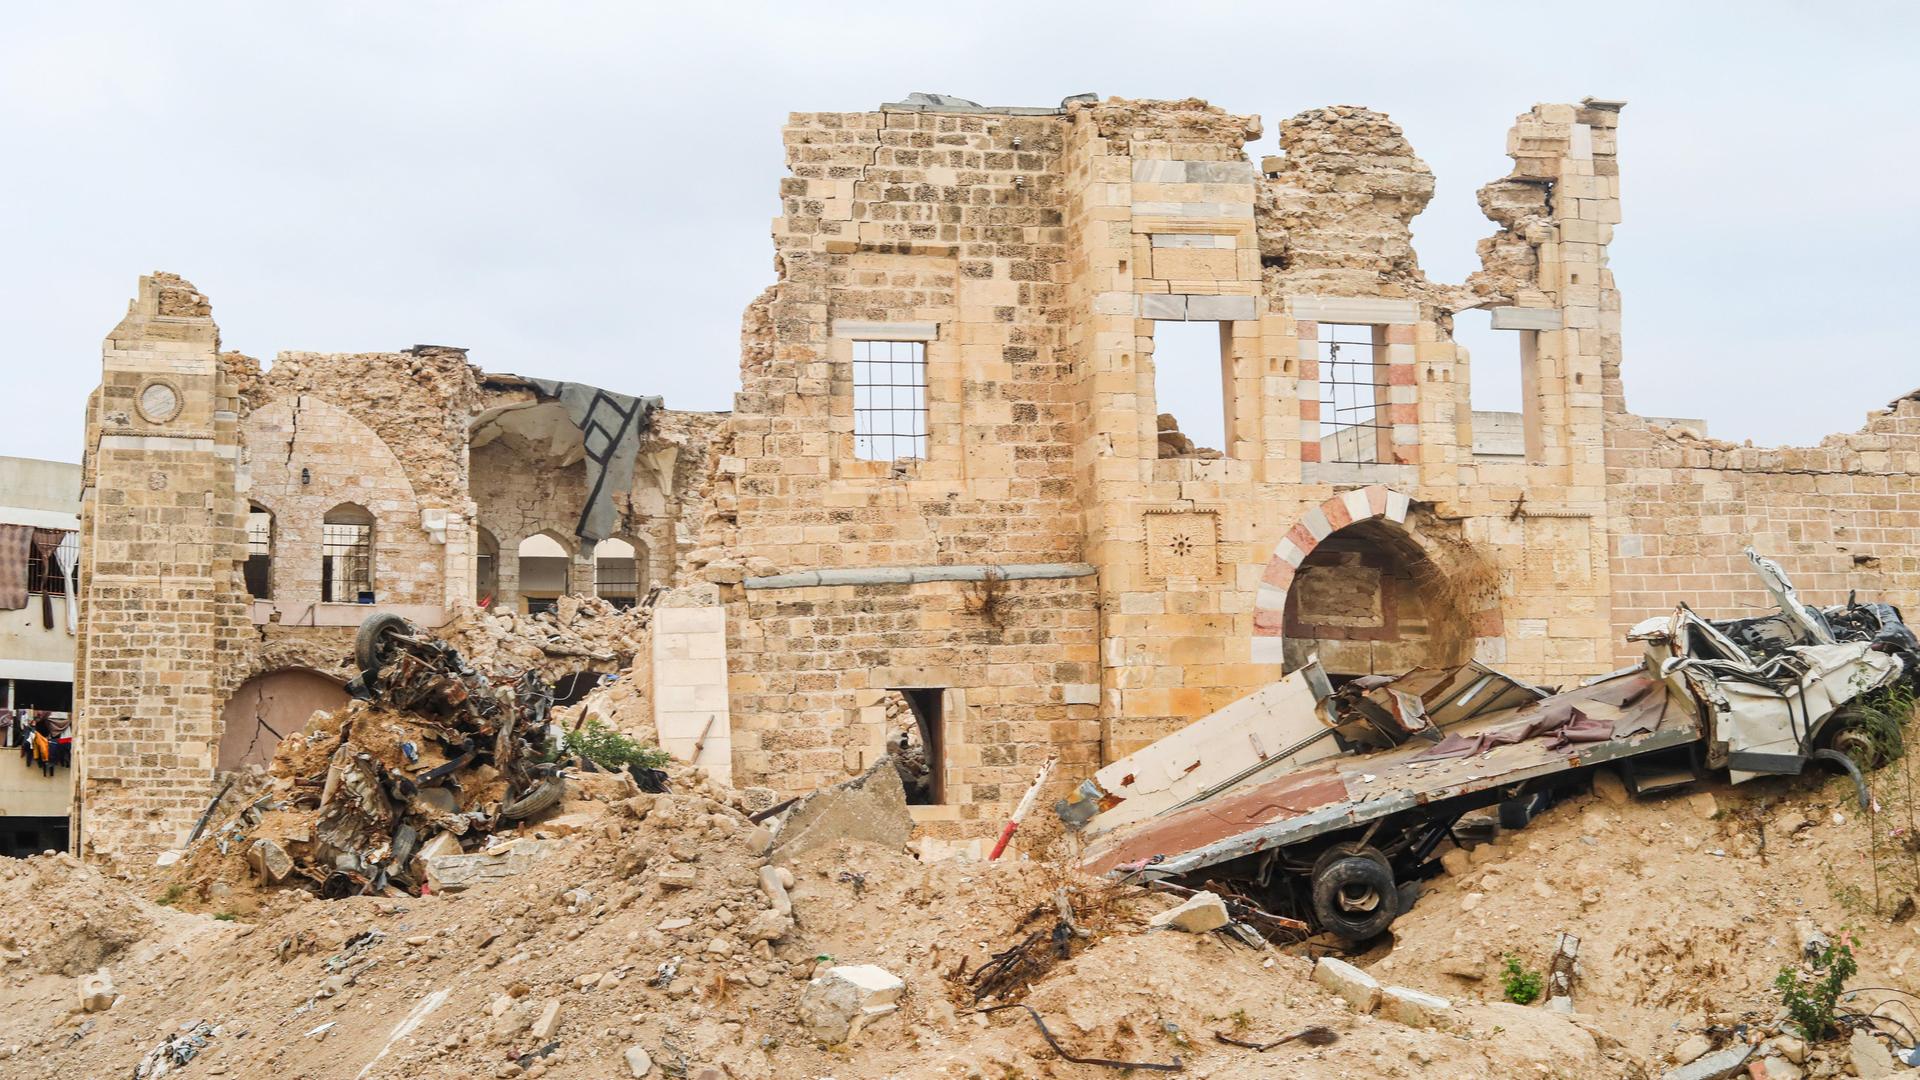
{"x": 548, "y": 1022}
{"x": 1202, "y": 912}
{"x": 1415, "y": 1008}
{"x": 1715, "y": 1066}
{"x": 452, "y": 873}
{"x": 1356, "y": 987}
{"x": 1870, "y": 1058}
{"x": 838, "y": 1003}
{"x": 870, "y": 807}
{"x": 269, "y": 861}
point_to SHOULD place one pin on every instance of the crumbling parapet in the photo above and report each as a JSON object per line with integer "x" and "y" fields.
{"x": 1337, "y": 208}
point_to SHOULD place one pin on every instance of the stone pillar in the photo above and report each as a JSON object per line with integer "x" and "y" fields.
{"x": 163, "y": 611}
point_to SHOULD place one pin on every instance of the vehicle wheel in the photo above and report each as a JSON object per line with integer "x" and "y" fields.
{"x": 1866, "y": 739}
{"x": 545, "y": 795}
{"x": 1341, "y": 851}
{"x": 1354, "y": 897}
{"x": 371, "y": 650}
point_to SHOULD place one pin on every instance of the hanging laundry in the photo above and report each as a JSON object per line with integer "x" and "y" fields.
{"x": 15, "y": 543}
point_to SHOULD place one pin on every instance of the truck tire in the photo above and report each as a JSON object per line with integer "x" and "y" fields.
{"x": 545, "y": 795}
{"x": 1341, "y": 851}
{"x": 1863, "y": 736}
{"x": 369, "y": 644}
{"x": 1354, "y": 897}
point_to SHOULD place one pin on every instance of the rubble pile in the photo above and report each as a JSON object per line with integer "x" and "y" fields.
{"x": 581, "y": 633}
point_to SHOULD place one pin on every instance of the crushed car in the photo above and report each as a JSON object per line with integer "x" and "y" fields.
{"x": 1329, "y": 804}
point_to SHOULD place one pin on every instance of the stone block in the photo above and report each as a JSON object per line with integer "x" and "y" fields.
{"x": 837, "y": 1004}
{"x": 1200, "y": 913}
{"x": 1415, "y": 1008}
{"x": 1347, "y": 982}
{"x": 96, "y": 991}
{"x": 1718, "y": 1065}
{"x": 1162, "y": 306}
{"x": 871, "y": 807}
{"x": 1223, "y": 308}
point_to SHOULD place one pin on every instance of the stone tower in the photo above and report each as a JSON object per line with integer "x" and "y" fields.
{"x": 161, "y": 597}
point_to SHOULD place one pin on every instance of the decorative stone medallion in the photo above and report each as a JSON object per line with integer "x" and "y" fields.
{"x": 1183, "y": 544}
{"x": 159, "y": 402}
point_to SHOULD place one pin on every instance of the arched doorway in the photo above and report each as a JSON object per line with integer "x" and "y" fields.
{"x": 486, "y": 567}
{"x": 269, "y": 707}
{"x": 1368, "y": 600}
{"x": 1370, "y": 586}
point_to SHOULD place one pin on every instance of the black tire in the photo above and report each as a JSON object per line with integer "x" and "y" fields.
{"x": 545, "y": 795}
{"x": 1355, "y": 898}
{"x": 1867, "y": 742}
{"x": 370, "y": 650}
{"x": 1345, "y": 850}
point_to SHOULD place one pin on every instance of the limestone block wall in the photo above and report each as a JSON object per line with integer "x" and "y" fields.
{"x": 1844, "y": 515}
{"x": 688, "y": 684}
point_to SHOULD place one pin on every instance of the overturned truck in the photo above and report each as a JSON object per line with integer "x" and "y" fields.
{"x": 1331, "y": 804}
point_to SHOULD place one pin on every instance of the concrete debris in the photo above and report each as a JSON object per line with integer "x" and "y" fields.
{"x": 96, "y": 991}
{"x": 639, "y": 1062}
{"x": 836, "y": 1004}
{"x": 1869, "y": 1056}
{"x": 1694, "y": 1047}
{"x": 1415, "y": 1008}
{"x": 1357, "y": 988}
{"x": 453, "y": 873}
{"x": 871, "y": 807}
{"x": 1200, "y": 913}
{"x": 1718, "y": 1065}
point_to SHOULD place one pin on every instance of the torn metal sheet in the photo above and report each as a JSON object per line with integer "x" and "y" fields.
{"x": 1285, "y": 724}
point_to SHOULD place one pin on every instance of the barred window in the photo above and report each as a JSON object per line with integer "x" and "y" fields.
{"x": 1354, "y": 426}
{"x": 346, "y": 556}
{"x": 616, "y": 572}
{"x": 43, "y": 573}
{"x": 889, "y": 400}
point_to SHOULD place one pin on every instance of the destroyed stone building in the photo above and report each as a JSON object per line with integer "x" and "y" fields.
{"x": 946, "y": 498}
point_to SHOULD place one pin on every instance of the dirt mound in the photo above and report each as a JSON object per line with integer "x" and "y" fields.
{"x": 581, "y": 633}
{"x": 59, "y": 917}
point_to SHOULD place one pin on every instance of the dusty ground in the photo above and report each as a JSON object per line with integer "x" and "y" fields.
{"x": 1686, "y": 908}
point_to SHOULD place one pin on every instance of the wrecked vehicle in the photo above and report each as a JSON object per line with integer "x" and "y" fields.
{"x": 1329, "y": 805}
{"x": 430, "y": 757}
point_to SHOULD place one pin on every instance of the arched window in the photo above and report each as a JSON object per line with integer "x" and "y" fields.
{"x": 486, "y": 567}
{"x": 346, "y": 555}
{"x": 543, "y": 571}
{"x": 259, "y": 569}
{"x": 617, "y": 572}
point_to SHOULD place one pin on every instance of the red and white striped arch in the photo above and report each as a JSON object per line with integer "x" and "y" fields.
{"x": 1343, "y": 509}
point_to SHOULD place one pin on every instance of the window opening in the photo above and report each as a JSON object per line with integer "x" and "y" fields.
{"x": 1496, "y": 384}
{"x": 543, "y": 573}
{"x": 889, "y": 400}
{"x": 1191, "y": 388}
{"x": 1354, "y": 426}
{"x": 43, "y": 570}
{"x": 486, "y": 568}
{"x": 918, "y": 744}
{"x": 346, "y": 556}
{"x": 258, "y": 571}
{"x": 616, "y": 572}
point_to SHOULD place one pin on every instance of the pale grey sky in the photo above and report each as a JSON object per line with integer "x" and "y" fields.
{"x": 583, "y": 190}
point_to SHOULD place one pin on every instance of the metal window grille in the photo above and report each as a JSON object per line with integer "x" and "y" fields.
{"x": 346, "y": 563}
{"x": 889, "y": 400}
{"x": 1353, "y": 395}
{"x": 43, "y": 574}
{"x": 617, "y": 580}
{"x": 259, "y": 533}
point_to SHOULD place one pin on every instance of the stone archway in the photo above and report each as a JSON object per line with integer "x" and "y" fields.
{"x": 1357, "y": 581}
{"x": 267, "y": 708}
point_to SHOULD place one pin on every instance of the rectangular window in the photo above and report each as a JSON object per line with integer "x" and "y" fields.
{"x": 921, "y": 748}
{"x": 890, "y": 400}
{"x": 259, "y": 569}
{"x": 43, "y": 573}
{"x": 346, "y": 563}
{"x": 1193, "y": 388}
{"x": 1354, "y": 425}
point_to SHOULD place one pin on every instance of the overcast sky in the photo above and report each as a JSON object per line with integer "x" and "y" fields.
{"x": 583, "y": 191}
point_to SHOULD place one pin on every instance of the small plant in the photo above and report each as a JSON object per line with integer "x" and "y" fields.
{"x": 1809, "y": 995}
{"x": 612, "y": 750}
{"x": 172, "y": 895}
{"x": 225, "y": 916}
{"x": 1241, "y": 1021}
{"x": 1523, "y": 985}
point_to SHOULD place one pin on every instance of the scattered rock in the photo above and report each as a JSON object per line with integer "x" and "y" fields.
{"x": 1456, "y": 862}
{"x": 1608, "y": 785}
{"x": 1414, "y": 1008}
{"x": 678, "y": 876}
{"x": 774, "y": 883}
{"x": 1201, "y": 913}
{"x": 1703, "y": 805}
{"x": 1790, "y": 1048}
{"x": 1693, "y": 1047}
{"x": 1718, "y": 1065}
{"x": 639, "y": 1062}
{"x": 549, "y": 1021}
{"x": 270, "y": 862}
